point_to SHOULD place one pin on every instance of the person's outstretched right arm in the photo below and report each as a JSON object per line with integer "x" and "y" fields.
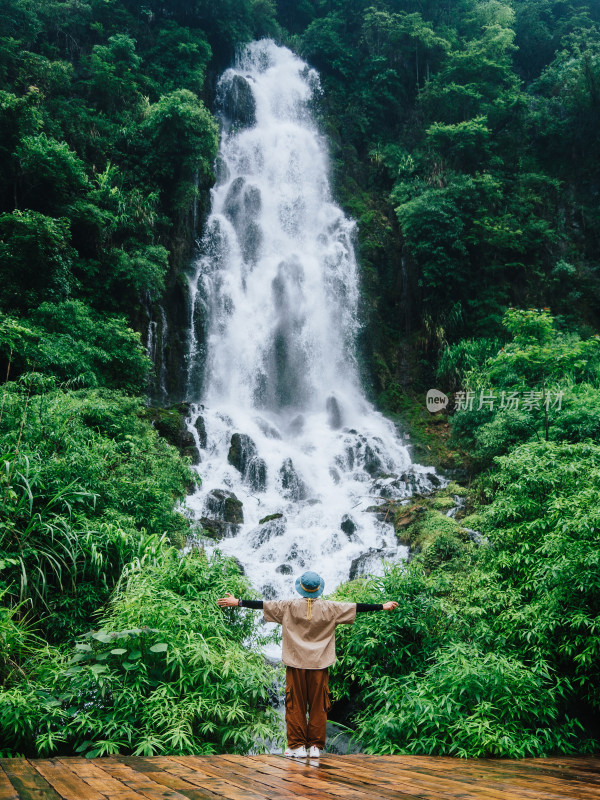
{"x": 229, "y": 601}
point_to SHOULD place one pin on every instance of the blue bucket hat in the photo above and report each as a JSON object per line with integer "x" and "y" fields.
{"x": 309, "y": 584}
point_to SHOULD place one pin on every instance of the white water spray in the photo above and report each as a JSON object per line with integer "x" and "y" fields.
{"x": 281, "y": 420}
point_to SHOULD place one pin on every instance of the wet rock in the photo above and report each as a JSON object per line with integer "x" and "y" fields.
{"x": 201, "y": 430}
{"x": 241, "y": 451}
{"x": 214, "y": 528}
{"x": 296, "y": 555}
{"x": 373, "y": 463}
{"x": 284, "y": 569}
{"x": 334, "y": 414}
{"x": 256, "y": 474}
{"x": 364, "y": 564}
{"x": 238, "y": 564}
{"x": 221, "y": 169}
{"x": 293, "y": 488}
{"x": 171, "y": 425}
{"x": 394, "y": 488}
{"x": 188, "y": 446}
{"x": 269, "y": 592}
{"x": 269, "y": 517}
{"x": 267, "y": 531}
{"x": 350, "y": 458}
{"x": 348, "y": 525}
{"x": 224, "y": 505}
{"x": 335, "y": 475}
{"x": 233, "y": 510}
{"x": 238, "y": 103}
{"x": 232, "y": 205}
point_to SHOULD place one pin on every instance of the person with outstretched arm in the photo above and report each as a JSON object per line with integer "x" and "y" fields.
{"x": 308, "y": 625}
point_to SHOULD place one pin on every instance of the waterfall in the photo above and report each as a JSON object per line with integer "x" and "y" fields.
{"x": 282, "y": 425}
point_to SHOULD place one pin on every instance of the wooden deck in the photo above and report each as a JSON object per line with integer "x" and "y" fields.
{"x": 355, "y": 777}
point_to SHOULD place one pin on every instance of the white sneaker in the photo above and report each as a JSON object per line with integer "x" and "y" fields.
{"x": 314, "y": 752}
{"x": 298, "y": 752}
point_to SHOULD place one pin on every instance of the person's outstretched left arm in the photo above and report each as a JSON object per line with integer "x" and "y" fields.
{"x": 390, "y": 605}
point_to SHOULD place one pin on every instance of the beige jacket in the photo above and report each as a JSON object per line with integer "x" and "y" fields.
{"x": 309, "y": 629}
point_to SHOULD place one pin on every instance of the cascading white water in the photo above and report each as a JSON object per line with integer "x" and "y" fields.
{"x": 281, "y": 420}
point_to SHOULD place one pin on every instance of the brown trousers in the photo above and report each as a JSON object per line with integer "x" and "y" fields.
{"x": 306, "y": 688}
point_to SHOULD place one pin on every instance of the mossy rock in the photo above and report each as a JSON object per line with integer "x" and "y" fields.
{"x": 446, "y": 547}
{"x": 213, "y": 528}
{"x": 455, "y": 488}
{"x": 170, "y": 424}
{"x": 429, "y": 526}
{"x": 269, "y": 517}
{"x": 443, "y": 502}
{"x": 473, "y": 521}
{"x": 233, "y": 511}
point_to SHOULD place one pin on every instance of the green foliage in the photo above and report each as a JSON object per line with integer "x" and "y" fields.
{"x": 543, "y": 525}
{"x": 71, "y": 342}
{"x": 35, "y": 260}
{"x": 544, "y": 382}
{"x": 468, "y": 669}
{"x": 179, "y": 139}
{"x": 86, "y": 487}
{"x": 468, "y": 703}
{"x": 167, "y": 672}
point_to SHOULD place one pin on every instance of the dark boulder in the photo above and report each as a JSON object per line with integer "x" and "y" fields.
{"x": 224, "y": 505}
{"x": 241, "y": 451}
{"x": 171, "y": 425}
{"x": 372, "y": 463}
{"x": 214, "y": 528}
{"x": 238, "y": 102}
{"x": 267, "y": 531}
{"x": 348, "y": 525}
{"x": 293, "y": 487}
{"x": 201, "y": 430}
{"x": 256, "y": 474}
{"x": 363, "y": 565}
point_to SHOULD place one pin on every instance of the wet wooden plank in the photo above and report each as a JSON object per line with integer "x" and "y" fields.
{"x": 457, "y": 782}
{"x": 7, "y": 790}
{"x": 220, "y": 786}
{"x": 30, "y": 785}
{"x": 277, "y": 772}
{"x": 140, "y": 783}
{"x": 248, "y": 778}
{"x": 150, "y": 767}
{"x": 356, "y": 777}
{"x": 99, "y": 779}
{"x": 489, "y": 778}
{"x": 65, "y": 782}
{"x": 317, "y": 778}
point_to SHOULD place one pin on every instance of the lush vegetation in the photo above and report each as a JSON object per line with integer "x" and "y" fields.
{"x": 164, "y": 671}
{"x": 465, "y": 142}
{"x": 495, "y": 647}
{"x": 109, "y": 640}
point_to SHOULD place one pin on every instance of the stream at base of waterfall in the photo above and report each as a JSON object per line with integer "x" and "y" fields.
{"x": 291, "y": 452}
